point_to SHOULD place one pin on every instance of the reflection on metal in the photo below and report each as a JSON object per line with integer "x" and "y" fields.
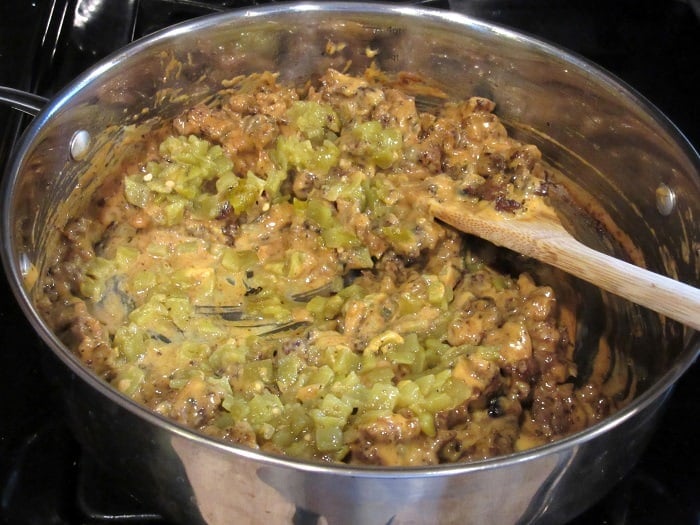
{"x": 270, "y": 491}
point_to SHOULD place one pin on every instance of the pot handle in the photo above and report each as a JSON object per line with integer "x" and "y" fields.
{"x": 23, "y": 101}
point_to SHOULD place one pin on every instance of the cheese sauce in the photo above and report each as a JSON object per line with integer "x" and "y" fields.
{"x": 267, "y": 274}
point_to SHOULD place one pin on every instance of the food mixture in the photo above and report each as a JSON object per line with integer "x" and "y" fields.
{"x": 268, "y": 273}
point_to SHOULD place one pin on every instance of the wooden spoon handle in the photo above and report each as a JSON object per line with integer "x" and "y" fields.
{"x": 661, "y": 294}
{"x": 545, "y": 239}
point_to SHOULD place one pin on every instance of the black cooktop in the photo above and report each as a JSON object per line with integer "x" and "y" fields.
{"x": 44, "y": 478}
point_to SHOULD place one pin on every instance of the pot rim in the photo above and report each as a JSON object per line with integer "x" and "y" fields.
{"x": 13, "y": 268}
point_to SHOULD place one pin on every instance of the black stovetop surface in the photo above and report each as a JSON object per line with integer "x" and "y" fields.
{"x": 44, "y": 479}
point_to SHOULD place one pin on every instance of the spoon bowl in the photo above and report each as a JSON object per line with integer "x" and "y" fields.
{"x": 539, "y": 234}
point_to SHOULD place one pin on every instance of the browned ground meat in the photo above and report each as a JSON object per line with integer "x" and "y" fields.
{"x": 296, "y": 207}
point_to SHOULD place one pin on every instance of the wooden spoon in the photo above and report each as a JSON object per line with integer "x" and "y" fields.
{"x": 542, "y": 237}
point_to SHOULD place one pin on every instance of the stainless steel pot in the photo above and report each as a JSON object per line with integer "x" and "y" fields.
{"x": 616, "y": 146}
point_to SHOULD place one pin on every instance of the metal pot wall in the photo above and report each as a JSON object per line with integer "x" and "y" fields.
{"x": 615, "y": 145}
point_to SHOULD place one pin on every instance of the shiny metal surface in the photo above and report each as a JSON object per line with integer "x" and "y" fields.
{"x": 618, "y": 146}
{"x": 197, "y": 481}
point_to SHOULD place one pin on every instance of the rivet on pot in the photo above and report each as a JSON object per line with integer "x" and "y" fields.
{"x": 79, "y": 144}
{"x": 665, "y": 199}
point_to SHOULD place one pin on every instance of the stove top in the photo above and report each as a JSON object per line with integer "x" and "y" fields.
{"x": 44, "y": 477}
